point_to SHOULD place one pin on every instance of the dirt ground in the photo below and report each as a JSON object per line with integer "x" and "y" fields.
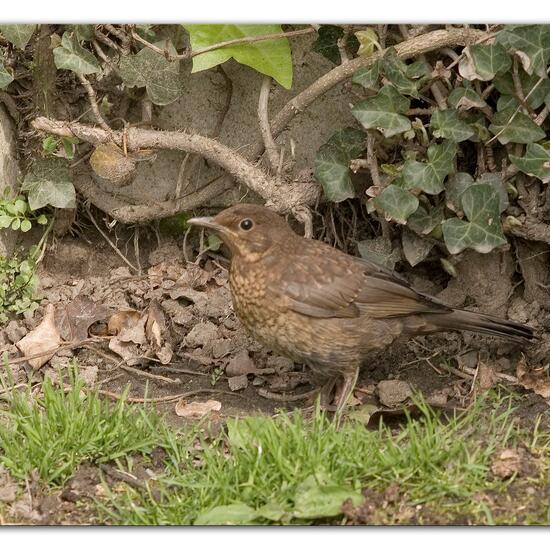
{"x": 169, "y": 335}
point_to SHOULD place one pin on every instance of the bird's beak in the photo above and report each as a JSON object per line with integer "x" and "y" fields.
{"x": 208, "y": 222}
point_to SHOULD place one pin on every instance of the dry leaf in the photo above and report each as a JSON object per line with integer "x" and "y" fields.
{"x": 509, "y": 462}
{"x": 155, "y": 326}
{"x": 486, "y": 377}
{"x": 237, "y": 383}
{"x": 74, "y": 319}
{"x": 122, "y": 320}
{"x": 196, "y": 409}
{"x": 45, "y": 337}
{"x": 534, "y": 379}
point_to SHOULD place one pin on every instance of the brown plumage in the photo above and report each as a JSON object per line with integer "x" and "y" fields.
{"x": 322, "y": 307}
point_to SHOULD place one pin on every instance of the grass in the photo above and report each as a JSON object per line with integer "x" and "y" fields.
{"x": 272, "y": 470}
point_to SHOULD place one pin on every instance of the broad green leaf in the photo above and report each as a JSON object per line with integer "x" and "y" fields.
{"x": 423, "y": 221}
{"x": 26, "y": 225}
{"x": 396, "y": 72}
{"x": 507, "y": 102}
{"x": 484, "y": 61}
{"x": 72, "y": 56}
{"x": 464, "y": 99}
{"x": 320, "y": 501}
{"x": 418, "y": 69}
{"x": 5, "y": 76}
{"x": 428, "y": 176}
{"x": 384, "y": 112}
{"x": 415, "y": 248}
{"x": 149, "y": 69}
{"x": 447, "y": 124}
{"x": 48, "y": 183}
{"x": 5, "y": 221}
{"x": 327, "y": 42}
{"x": 368, "y": 76}
{"x": 83, "y": 32}
{"x": 231, "y": 514}
{"x": 396, "y": 203}
{"x": 379, "y": 250}
{"x": 533, "y": 40}
{"x": 534, "y": 89}
{"x": 270, "y": 57}
{"x": 368, "y": 41}
{"x": 459, "y": 182}
{"x": 18, "y": 35}
{"x": 272, "y": 511}
{"x": 331, "y": 169}
{"x": 515, "y": 127}
{"x": 350, "y": 140}
{"x": 495, "y": 181}
{"x": 483, "y": 231}
{"x": 535, "y": 162}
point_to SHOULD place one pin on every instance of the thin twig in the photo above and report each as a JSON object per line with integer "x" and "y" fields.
{"x": 111, "y": 243}
{"x": 50, "y": 351}
{"x": 285, "y": 397}
{"x": 165, "y": 399}
{"x": 372, "y": 160}
{"x": 265, "y": 129}
{"x": 93, "y": 102}
{"x": 149, "y": 375}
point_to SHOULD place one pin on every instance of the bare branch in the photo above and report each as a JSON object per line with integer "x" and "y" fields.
{"x": 263, "y": 116}
{"x": 93, "y": 102}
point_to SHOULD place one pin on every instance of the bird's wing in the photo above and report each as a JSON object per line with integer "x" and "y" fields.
{"x": 326, "y": 283}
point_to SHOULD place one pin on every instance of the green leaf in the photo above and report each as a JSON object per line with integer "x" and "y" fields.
{"x": 379, "y": 250}
{"x": 396, "y": 203}
{"x": 18, "y": 35}
{"x": 418, "y": 69}
{"x": 270, "y": 57}
{"x": 42, "y": 219}
{"x": 83, "y": 32}
{"x": 484, "y": 61}
{"x": 459, "y": 182}
{"x": 384, "y": 112}
{"x": 26, "y": 226}
{"x": 533, "y": 40}
{"x": 327, "y": 42}
{"x": 72, "y": 56}
{"x": 5, "y": 76}
{"x": 368, "y": 41}
{"x": 396, "y": 72}
{"x": 428, "y": 176}
{"x": 447, "y": 124}
{"x": 48, "y": 182}
{"x": 424, "y": 222}
{"x": 5, "y": 221}
{"x": 513, "y": 126}
{"x": 319, "y": 501}
{"x": 350, "y": 140}
{"x": 534, "y": 89}
{"x": 16, "y": 224}
{"x": 495, "y": 181}
{"x": 507, "y": 102}
{"x": 535, "y": 162}
{"x": 368, "y": 76}
{"x": 465, "y": 98}
{"x": 331, "y": 169}
{"x": 415, "y": 248}
{"x": 230, "y": 514}
{"x": 151, "y": 70}
{"x": 483, "y": 231}
{"x": 272, "y": 511}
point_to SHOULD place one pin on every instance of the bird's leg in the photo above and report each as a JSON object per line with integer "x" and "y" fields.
{"x": 326, "y": 392}
{"x": 350, "y": 379}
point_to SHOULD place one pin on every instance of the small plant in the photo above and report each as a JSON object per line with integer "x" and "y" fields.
{"x": 17, "y": 214}
{"x": 63, "y": 147}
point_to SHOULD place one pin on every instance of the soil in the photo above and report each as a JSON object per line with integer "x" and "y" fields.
{"x": 199, "y": 342}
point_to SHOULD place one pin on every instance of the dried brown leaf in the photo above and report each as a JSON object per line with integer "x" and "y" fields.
{"x": 196, "y": 409}
{"x": 75, "y": 318}
{"x": 534, "y": 379}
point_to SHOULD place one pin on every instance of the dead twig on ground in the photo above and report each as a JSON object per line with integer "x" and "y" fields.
{"x": 263, "y": 118}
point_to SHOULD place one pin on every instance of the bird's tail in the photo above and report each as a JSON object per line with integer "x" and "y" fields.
{"x": 460, "y": 319}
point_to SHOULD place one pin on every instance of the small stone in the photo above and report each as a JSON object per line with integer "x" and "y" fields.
{"x": 14, "y": 332}
{"x": 201, "y": 334}
{"x": 280, "y": 364}
{"x": 393, "y": 392}
{"x": 240, "y": 364}
{"x": 222, "y": 347}
{"x": 237, "y": 383}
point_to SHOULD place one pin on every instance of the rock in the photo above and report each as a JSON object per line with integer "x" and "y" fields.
{"x": 237, "y": 383}
{"x": 240, "y": 364}
{"x": 201, "y": 335}
{"x": 179, "y": 314}
{"x": 393, "y": 392}
{"x": 280, "y": 364}
{"x": 222, "y": 347}
{"x": 14, "y": 331}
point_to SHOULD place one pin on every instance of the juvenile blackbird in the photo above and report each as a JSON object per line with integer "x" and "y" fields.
{"x": 322, "y": 307}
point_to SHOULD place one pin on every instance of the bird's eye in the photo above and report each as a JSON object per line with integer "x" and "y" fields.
{"x": 247, "y": 224}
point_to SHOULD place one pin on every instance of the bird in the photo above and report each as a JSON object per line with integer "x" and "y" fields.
{"x": 324, "y": 308}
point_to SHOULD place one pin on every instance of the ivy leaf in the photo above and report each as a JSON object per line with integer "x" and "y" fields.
{"x": 83, "y": 32}
{"x": 519, "y": 129}
{"x": 396, "y": 203}
{"x": 327, "y": 42}
{"x": 533, "y": 40}
{"x": 384, "y": 112}
{"x": 332, "y": 171}
{"x": 535, "y": 162}
{"x": 533, "y": 89}
{"x": 379, "y": 250}
{"x": 418, "y": 69}
{"x": 149, "y": 69}
{"x": 428, "y": 176}
{"x": 5, "y": 76}
{"x": 423, "y": 222}
{"x": 368, "y": 76}
{"x": 464, "y": 99}
{"x": 18, "y": 35}
{"x": 483, "y": 231}
{"x": 270, "y": 57}
{"x": 230, "y": 514}
{"x": 48, "y": 182}
{"x": 459, "y": 182}
{"x": 495, "y": 181}
{"x": 484, "y": 61}
{"x": 368, "y": 40}
{"x": 396, "y": 72}
{"x": 447, "y": 124}
{"x": 415, "y": 248}
{"x": 72, "y": 56}
{"x": 350, "y": 140}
